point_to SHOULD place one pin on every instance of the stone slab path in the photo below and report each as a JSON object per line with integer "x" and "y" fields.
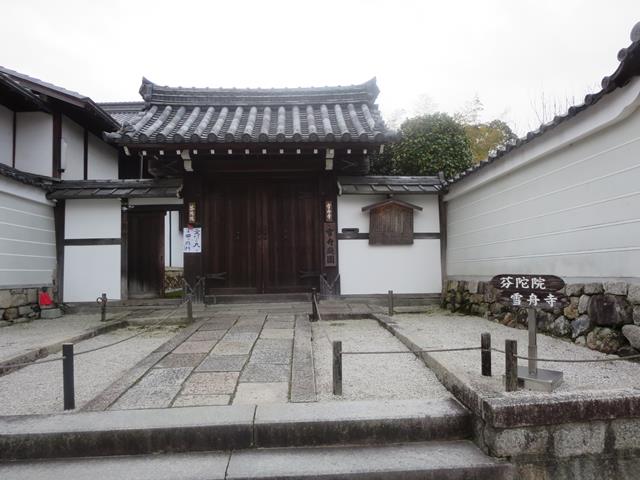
{"x": 230, "y": 358}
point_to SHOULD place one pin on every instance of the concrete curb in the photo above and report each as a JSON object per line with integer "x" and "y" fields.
{"x": 135, "y": 432}
{"x": 35, "y": 354}
{"x": 501, "y": 411}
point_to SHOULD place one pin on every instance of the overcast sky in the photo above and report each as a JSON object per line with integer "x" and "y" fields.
{"x": 424, "y": 53}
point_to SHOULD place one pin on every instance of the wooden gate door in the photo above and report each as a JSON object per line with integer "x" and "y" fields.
{"x": 291, "y": 233}
{"x": 145, "y": 253}
{"x": 263, "y": 235}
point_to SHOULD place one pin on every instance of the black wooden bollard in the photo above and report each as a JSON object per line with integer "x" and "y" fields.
{"x": 314, "y": 305}
{"x": 390, "y": 302}
{"x": 337, "y": 368}
{"x": 68, "y": 386}
{"x": 511, "y": 365}
{"x": 485, "y": 355}
{"x": 189, "y": 307}
{"x": 103, "y": 307}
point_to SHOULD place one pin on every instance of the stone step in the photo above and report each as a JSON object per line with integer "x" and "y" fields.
{"x": 257, "y": 298}
{"x": 454, "y": 460}
{"x": 192, "y": 429}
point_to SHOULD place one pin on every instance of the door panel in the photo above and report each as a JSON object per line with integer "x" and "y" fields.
{"x": 145, "y": 244}
{"x": 264, "y": 233}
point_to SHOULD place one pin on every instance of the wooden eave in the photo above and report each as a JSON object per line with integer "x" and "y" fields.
{"x": 391, "y": 201}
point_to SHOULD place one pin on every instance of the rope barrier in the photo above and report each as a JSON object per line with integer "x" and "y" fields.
{"x": 50, "y": 360}
{"x": 564, "y": 360}
{"x": 414, "y": 351}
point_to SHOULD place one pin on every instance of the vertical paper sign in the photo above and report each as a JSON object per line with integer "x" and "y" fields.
{"x": 192, "y": 240}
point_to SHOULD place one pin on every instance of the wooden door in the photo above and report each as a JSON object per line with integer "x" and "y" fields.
{"x": 263, "y": 235}
{"x": 145, "y": 244}
{"x": 291, "y": 235}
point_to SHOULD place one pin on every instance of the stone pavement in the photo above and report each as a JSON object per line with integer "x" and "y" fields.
{"x": 227, "y": 359}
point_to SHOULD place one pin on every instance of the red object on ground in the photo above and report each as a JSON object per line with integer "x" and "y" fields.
{"x": 44, "y": 299}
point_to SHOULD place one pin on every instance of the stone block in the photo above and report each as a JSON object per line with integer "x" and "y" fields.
{"x": 260, "y": 393}
{"x": 211, "y": 383}
{"x": 50, "y": 313}
{"x": 164, "y": 377}
{"x": 593, "y": 288}
{"x": 610, "y": 310}
{"x": 491, "y": 294}
{"x": 32, "y": 295}
{"x": 174, "y": 360}
{"x": 583, "y": 304}
{"x": 605, "y": 340}
{"x": 632, "y": 334}
{"x": 626, "y": 433}
{"x": 18, "y": 299}
{"x": 200, "y": 400}
{"x": 579, "y": 439}
{"x": 223, "y": 363}
{"x": 574, "y": 289}
{"x": 25, "y": 310}
{"x": 453, "y": 285}
{"x": 616, "y": 288}
{"x": 636, "y": 315}
{"x": 517, "y": 441}
{"x": 4, "y": 323}
{"x": 5, "y": 298}
{"x": 472, "y": 286}
{"x": 571, "y": 310}
{"x": 265, "y": 373}
{"x": 10, "y": 313}
{"x": 633, "y": 295}
{"x": 581, "y": 340}
{"x": 561, "y": 327}
{"x": 581, "y": 326}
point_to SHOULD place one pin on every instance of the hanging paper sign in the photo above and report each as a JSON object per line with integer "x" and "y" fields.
{"x": 192, "y": 240}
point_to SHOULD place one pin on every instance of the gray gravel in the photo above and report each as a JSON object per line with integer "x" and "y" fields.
{"x": 446, "y": 330}
{"x": 381, "y": 376}
{"x": 38, "y": 389}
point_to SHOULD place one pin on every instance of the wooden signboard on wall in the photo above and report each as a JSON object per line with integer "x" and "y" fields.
{"x": 391, "y": 222}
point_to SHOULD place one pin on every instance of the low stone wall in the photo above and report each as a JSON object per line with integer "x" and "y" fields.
{"x": 173, "y": 279}
{"x": 18, "y": 305}
{"x": 602, "y": 316}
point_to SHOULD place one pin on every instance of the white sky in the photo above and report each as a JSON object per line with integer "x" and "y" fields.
{"x": 507, "y": 52}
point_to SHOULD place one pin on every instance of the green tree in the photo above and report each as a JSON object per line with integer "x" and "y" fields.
{"x": 485, "y": 137}
{"x": 430, "y": 144}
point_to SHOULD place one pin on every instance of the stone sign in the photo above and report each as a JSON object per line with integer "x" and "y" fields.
{"x": 531, "y": 291}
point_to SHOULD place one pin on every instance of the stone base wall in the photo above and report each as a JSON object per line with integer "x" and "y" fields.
{"x": 18, "y": 305}
{"x": 602, "y": 316}
{"x": 173, "y": 279}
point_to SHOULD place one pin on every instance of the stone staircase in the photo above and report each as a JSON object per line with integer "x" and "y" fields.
{"x": 341, "y": 440}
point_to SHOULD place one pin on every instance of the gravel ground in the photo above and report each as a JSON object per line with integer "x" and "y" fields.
{"x": 365, "y": 377}
{"x": 38, "y": 388}
{"x": 23, "y": 337}
{"x": 443, "y": 329}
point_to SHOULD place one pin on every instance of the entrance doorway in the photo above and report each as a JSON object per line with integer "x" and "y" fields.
{"x": 261, "y": 235}
{"x": 145, "y": 253}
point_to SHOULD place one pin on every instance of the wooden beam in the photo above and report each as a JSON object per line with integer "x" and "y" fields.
{"x": 85, "y": 154}
{"x": 57, "y": 145}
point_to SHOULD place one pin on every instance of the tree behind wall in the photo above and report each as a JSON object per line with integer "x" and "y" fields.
{"x": 430, "y": 144}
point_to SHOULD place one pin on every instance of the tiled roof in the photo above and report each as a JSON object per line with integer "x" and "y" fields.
{"x": 629, "y": 67}
{"x": 18, "y": 97}
{"x": 85, "y": 108}
{"x": 79, "y": 189}
{"x": 372, "y": 185}
{"x": 26, "y": 177}
{"x": 179, "y": 115}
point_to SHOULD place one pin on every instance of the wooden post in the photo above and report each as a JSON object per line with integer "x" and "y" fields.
{"x": 68, "y": 387}
{"x": 390, "y": 302}
{"x": 337, "y": 368}
{"x": 314, "y": 305}
{"x": 485, "y": 355}
{"x": 511, "y": 365}
{"x": 189, "y": 308}
{"x": 103, "y": 307}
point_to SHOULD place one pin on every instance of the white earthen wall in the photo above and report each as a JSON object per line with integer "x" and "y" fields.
{"x": 72, "y": 150}
{"x": 574, "y": 212}
{"x": 102, "y": 160}
{"x": 375, "y": 269}
{"x": 34, "y": 142}
{"x": 27, "y": 236}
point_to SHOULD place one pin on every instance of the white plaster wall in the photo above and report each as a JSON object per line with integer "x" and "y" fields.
{"x": 34, "y": 142}
{"x": 102, "y": 160}
{"x": 375, "y": 269}
{"x": 92, "y": 219}
{"x": 27, "y": 236}
{"x": 173, "y": 256}
{"x": 89, "y": 271}
{"x": 574, "y": 212}
{"x": 6, "y": 135}
{"x": 72, "y": 150}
